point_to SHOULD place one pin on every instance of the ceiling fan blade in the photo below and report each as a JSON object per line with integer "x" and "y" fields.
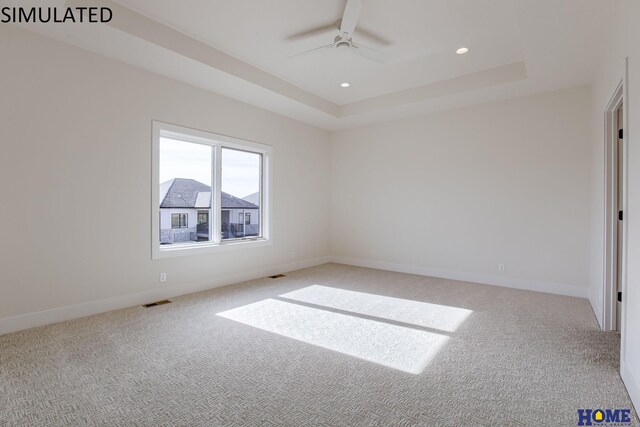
{"x": 373, "y": 36}
{"x": 367, "y": 52}
{"x": 350, "y": 16}
{"x": 317, "y": 49}
{"x": 316, "y": 31}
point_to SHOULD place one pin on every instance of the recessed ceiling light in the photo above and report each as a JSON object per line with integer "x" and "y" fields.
{"x": 462, "y": 50}
{"x": 345, "y": 84}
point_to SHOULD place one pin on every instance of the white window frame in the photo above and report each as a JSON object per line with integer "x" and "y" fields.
{"x": 217, "y": 142}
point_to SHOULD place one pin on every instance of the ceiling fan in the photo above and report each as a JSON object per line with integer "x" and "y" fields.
{"x": 346, "y": 27}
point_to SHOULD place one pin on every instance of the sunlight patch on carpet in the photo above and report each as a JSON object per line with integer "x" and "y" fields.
{"x": 402, "y": 348}
{"x": 417, "y": 313}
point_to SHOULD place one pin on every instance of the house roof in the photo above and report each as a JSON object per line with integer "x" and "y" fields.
{"x": 189, "y": 193}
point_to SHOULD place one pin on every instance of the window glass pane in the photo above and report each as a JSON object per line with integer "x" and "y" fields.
{"x": 185, "y": 192}
{"x": 241, "y": 193}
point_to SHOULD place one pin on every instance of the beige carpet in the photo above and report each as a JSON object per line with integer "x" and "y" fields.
{"x": 331, "y": 345}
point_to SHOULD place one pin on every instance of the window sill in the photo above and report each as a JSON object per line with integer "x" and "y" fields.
{"x": 160, "y": 252}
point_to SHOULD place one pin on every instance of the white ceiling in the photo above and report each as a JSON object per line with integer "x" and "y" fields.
{"x": 241, "y": 49}
{"x": 423, "y": 37}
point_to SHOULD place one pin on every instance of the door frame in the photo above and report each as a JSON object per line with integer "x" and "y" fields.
{"x": 610, "y": 290}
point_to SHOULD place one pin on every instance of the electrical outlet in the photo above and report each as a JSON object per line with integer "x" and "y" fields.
{"x": 501, "y": 267}
{"x": 163, "y": 277}
{"x": 373, "y": 253}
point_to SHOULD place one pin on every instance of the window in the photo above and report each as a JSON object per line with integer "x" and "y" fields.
{"x": 241, "y": 177}
{"x": 179, "y": 220}
{"x": 203, "y": 218}
{"x": 222, "y": 181}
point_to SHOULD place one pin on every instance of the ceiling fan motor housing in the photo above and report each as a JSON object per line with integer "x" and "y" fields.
{"x": 342, "y": 40}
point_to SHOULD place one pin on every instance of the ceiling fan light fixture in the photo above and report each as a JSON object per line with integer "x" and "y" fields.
{"x": 345, "y": 84}
{"x": 347, "y": 25}
{"x": 462, "y": 50}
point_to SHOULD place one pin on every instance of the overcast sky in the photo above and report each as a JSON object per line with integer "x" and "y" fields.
{"x": 240, "y": 170}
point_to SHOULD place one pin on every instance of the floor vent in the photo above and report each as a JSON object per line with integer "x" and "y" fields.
{"x": 153, "y": 304}
{"x": 277, "y": 276}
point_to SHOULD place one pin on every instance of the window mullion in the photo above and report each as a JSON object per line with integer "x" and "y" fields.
{"x": 216, "y": 193}
{"x": 261, "y": 204}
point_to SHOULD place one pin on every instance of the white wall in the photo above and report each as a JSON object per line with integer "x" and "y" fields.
{"x": 76, "y": 148}
{"x": 624, "y": 42}
{"x": 502, "y": 182}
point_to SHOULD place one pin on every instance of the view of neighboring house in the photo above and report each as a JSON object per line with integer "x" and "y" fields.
{"x": 184, "y": 213}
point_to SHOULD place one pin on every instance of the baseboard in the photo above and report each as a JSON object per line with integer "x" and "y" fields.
{"x": 31, "y": 320}
{"x": 508, "y": 282}
{"x": 631, "y": 384}
{"x": 597, "y": 310}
